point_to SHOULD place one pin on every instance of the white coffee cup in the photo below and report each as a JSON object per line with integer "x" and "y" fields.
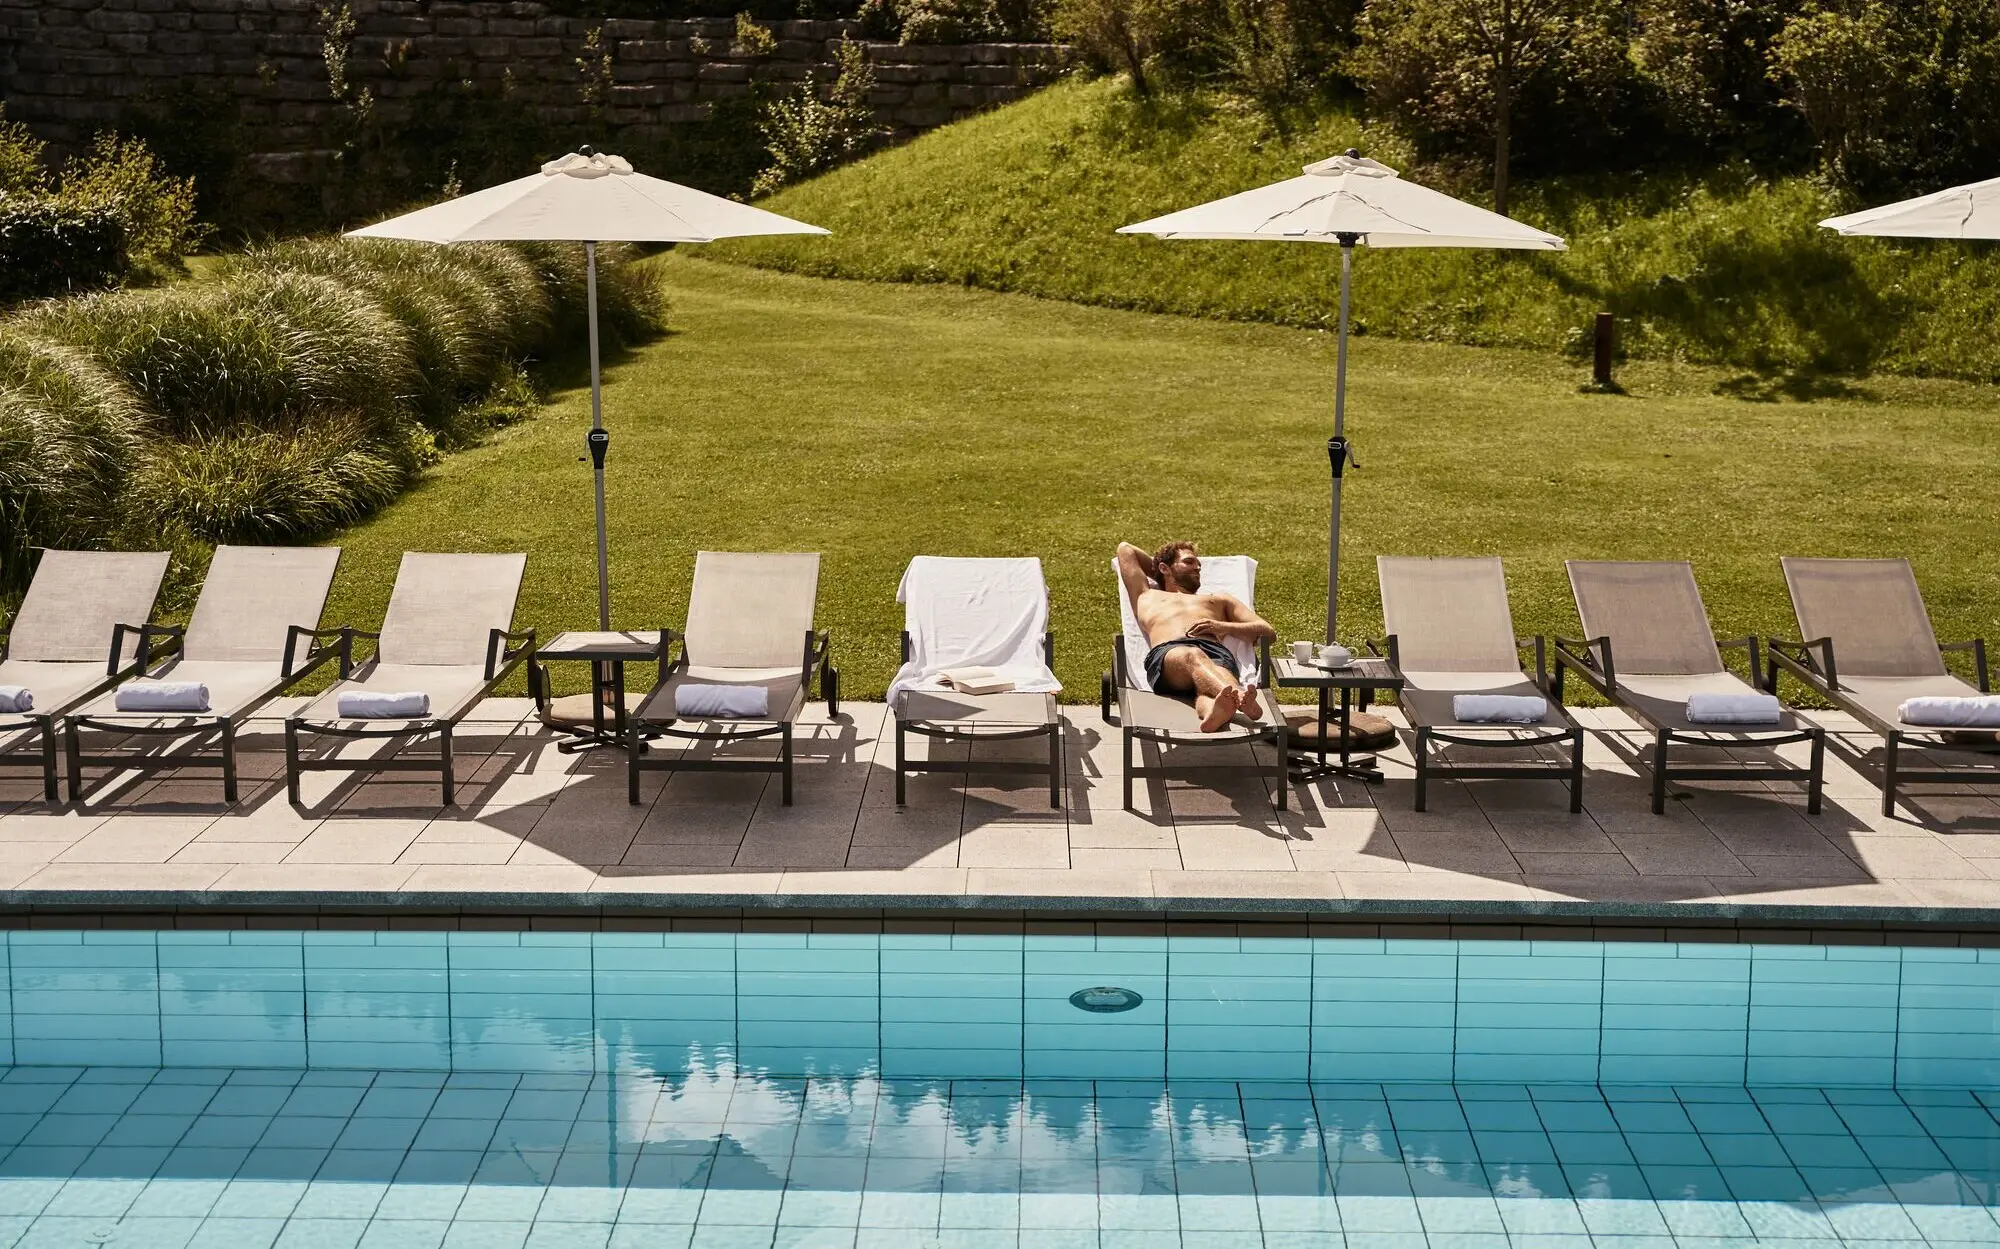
{"x": 1302, "y": 651}
{"x": 1334, "y": 655}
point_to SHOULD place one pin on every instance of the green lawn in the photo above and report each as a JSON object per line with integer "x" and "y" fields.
{"x": 878, "y": 422}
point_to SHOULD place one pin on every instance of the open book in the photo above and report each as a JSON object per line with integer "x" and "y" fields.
{"x": 975, "y": 681}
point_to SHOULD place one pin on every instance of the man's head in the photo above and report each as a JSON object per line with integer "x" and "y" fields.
{"x": 1178, "y": 567}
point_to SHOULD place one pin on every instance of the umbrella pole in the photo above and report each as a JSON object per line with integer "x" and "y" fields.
{"x": 1336, "y": 446}
{"x": 599, "y": 442}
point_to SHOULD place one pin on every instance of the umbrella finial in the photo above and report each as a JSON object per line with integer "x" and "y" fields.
{"x": 587, "y": 150}
{"x": 1353, "y": 153}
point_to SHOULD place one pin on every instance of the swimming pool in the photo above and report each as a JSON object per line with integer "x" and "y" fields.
{"x": 716, "y": 1159}
{"x": 1005, "y": 1005}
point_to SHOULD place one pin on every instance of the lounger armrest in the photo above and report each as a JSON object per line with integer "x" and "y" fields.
{"x": 1264, "y": 674}
{"x": 499, "y": 659}
{"x": 1748, "y": 644}
{"x": 1540, "y": 646}
{"x": 1977, "y": 648}
{"x": 1589, "y": 659}
{"x": 321, "y": 645}
{"x": 1387, "y": 647}
{"x": 1811, "y": 662}
{"x": 155, "y": 642}
{"x": 348, "y": 663}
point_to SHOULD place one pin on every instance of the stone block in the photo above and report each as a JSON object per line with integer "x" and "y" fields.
{"x": 627, "y": 28}
{"x": 125, "y": 43}
{"x": 111, "y": 20}
{"x": 467, "y": 26}
{"x": 489, "y": 48}
{"x": 536, "y": 48}
{"x": 511, "y": 26}
{"x": 964, "y": 96}
{"x": 723, "y": 71}
{"x": 928, "y": 93}
{"x": 686, "y": 112}
{"x": 638, "y": 97}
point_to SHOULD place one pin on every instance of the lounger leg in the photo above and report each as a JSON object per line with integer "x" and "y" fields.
{"x": 635, "y": 742}
{"x": 1576, "y": 772}
{"x": 902, "y": 748}
{"x": 1126, "y": 750}
{"x": 1423, "y": 766}
{"x": 292, "y": 763}
{"x": 1889, "y": 745}
{"x": 228, "y": 761}
{"x": 1815, "y": 782}
{"x": 1055, "y": 766}
{"x": 50, "y": 788}
{"x": 1281, "y": 773}
{"x": 444, "y": 765}
{"x": 786, "y": 741}
{"x": 73, "y": 757}
{"x": 1660, "y": 774}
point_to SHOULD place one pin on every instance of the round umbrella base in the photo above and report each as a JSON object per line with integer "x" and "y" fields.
{"x": 1366, "y": 731}
{"x": 573, "y": 714}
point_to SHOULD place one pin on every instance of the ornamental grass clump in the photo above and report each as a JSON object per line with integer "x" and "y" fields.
{"x": 70, "y": 432}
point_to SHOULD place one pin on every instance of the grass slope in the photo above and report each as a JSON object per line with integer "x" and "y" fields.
{"x": 874, "y": 423}
{"x": 1725, "y": 270}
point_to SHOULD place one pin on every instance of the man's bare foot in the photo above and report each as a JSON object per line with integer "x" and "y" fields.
{"x": 1221, "y": 710}
{"x": 1250, "y": 706}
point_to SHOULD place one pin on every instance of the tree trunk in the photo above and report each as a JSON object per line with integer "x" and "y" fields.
{"x": 1503, "y": 119}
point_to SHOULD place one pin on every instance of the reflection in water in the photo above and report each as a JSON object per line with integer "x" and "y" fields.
{"x": 181, "y": 1157}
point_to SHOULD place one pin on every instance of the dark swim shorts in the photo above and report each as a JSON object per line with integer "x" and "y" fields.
{"x": 1156, "y": 661}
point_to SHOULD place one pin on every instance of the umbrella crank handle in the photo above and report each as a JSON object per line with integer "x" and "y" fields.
{"x": 599, "y": 441}
{"x": 1341, "y": 453}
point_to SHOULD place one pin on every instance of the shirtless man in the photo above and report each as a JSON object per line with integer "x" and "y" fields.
{"x": 1187, "y": 630}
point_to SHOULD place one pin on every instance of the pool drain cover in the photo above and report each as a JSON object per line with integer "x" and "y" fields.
{"x": 1105, "y": 1000}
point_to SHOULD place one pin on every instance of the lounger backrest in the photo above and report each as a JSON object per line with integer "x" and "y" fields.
{"x": 445, "y": 607}
{"x": 1651, "y": 611}
{"x": 251, "y": 598}
{"x": 986, "y": 612}
{"x": 751, "y": 611}
{"x": 1448, "y": 615}
{"x": 1872, "y": 610}
{"x": 1227, "y": 574}
{"x": 77, "y": 597}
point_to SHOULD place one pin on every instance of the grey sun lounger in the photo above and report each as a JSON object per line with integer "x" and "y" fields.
{"x": 447, "y": 634}
{"x": 1867, "y": 646}
{"x": 1167, "y": 722}
{"x": 77, "y": 634}
{"x": 1451, "y": 632}
{"x": 253, "y": 635}
{"x": 976, "y": 612}
{"x": 1647, "y": 646}
{"x": 749, "y": 623}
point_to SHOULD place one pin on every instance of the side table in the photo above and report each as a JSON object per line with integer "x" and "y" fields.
{"x": 1362, "y": 674}
{"x": 607, "y": 653}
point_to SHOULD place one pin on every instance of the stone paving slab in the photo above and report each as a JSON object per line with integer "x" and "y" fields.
{"x": 537, "y": 826}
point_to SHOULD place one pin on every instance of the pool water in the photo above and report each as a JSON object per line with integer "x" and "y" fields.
{"x": 717, "y": 1158}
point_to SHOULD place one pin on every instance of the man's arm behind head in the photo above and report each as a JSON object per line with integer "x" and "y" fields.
{"x": 1135, "y": 571}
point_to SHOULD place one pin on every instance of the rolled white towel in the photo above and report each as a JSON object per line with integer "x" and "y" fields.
{"x": 383, "y": 704}
{"x": 722, "y": 702}
{"x": 162, "y": 696}
{"x": 1972, "y": 712}
{"x": 1714, "y": 707}
{"x": 1499, "y": 708}
{"x": 16, "y": 698}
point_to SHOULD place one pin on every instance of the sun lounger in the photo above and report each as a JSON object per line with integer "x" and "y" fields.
{"x": 1144, "y": 716}
{"x": 253, "y": 635}
{"x": 78, "y": 633}
{"x": 1451, "y": 633}
{"x": 1648, "y": 648}
{"x": 750, "y": 627}
{"x": 446, "y": 636}
{"x": 1868, "y": 647}
{"x": 976, "y": 613}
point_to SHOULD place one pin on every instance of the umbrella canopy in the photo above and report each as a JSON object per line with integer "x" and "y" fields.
{"x": 1349, "y": 195}
{"x": 1961, "y": 212}
{"x": 1349, "y": 200}
{"x": 587, "y": 197}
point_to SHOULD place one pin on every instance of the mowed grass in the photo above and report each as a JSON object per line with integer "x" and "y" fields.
{"x": 874, "y": 423}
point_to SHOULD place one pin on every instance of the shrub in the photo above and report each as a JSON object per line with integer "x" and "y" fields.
{"x": 265, "y": 486}
{"x": 806, "y": 134}
{"x": 158, "y": 211}
{"x": 21, "y": 169}
{"x": 69, "y": 431}
{"x": 1125, "y": 35}
{"x": 631, "y": 304}
{"x": 51, "y": 246}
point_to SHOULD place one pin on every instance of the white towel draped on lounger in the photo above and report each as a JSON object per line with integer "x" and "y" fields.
{"x": 1980, "y": 712}
{"x": 1715, "y": 707}
{"x": 16, "y": 698}
{"x": 1499, "y": 708}
{"x": 162, "y": 696}
{"x": 383, "y": 705}
{"x": 722, "y": 702}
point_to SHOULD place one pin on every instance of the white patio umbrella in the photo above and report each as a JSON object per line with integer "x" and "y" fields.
{"x": 1347, "y": 199}
{"x": 590, "y": 198}
{"x": 1971, "y": 211}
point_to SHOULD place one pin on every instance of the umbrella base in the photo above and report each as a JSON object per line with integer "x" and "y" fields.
{"x": 1313, "y": 740}
{"x": 574, "y": 714}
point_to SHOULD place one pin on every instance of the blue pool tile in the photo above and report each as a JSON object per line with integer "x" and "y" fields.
{"x": 321, "y": 1233}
